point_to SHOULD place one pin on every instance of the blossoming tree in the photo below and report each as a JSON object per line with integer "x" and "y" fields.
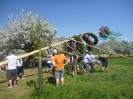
{"x": 27, "y": 32}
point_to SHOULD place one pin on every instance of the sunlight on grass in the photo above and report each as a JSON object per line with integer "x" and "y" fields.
{"x": 117, "y": 83}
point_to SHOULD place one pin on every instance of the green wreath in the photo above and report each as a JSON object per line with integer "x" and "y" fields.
{"x": 79, "y": 47}
{"x": 86, "y": 38}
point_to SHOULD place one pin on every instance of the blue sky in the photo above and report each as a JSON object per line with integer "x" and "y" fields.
{"x": 74, "y": 17}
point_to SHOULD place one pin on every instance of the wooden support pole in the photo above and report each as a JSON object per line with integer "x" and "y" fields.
{"x": 36, "y": 51}
{"x": 103, "y": 50}
{"x": 74, "y": 50}
{"x": 63, "y": 51}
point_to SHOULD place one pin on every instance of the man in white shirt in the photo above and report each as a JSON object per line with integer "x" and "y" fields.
{"x": 86, "y": 61}
{"x": 93, "y": 60}
{"x": 11, "y": 68}
{"x": 49, "y": 63}
{"x": 20, "y": 67}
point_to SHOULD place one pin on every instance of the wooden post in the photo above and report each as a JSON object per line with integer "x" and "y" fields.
{"x": 40, "y": 74}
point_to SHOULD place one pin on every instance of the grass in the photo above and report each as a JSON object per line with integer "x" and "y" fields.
{"x": 117, "y": 83}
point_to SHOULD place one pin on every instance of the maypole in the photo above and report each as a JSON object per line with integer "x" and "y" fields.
{"x": 36, "y": 51}
{"x": 103, "y": 50}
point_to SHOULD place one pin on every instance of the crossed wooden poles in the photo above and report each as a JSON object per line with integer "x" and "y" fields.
{"x": 45, "y": 48}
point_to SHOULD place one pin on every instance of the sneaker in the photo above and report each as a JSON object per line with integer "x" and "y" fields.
{"x": 23, "y": 78}
{"x": 84, "y": 70}
{"x": 17, "y": 78}
{"x": 9, "y": 87}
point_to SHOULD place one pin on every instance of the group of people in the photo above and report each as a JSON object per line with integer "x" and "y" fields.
{"x": 90, "y": 60}
{"x": 59, "y": 61}
{"x": 56, "y": 62}
{"x": 14, "y": 68}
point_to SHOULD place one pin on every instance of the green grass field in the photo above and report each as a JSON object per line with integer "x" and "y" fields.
{"x": 117, "y": 83}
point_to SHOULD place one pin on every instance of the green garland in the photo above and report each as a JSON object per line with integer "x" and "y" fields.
{"x": 79, "y": 47}
{"x": 88, "y": 41}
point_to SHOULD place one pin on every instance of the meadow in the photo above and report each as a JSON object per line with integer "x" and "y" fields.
{"x": 116, "y": 83}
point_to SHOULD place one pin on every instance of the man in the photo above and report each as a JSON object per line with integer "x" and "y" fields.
{"x": 11, "y": 68}
{"x": 58, "y": 61}
{"x": 74, "y": 62}
{"x": 86, "y": 61}
{"x": 49, "y": 63}
{"x": 20, "y": 67}
{"x": 93, "y": 60}
{"x": 104, "y": 62}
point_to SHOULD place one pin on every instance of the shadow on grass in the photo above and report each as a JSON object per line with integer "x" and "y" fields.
{"x": 32, "y": 83}
{"x": 51, "y": 80}
{"x": 3, "y": 81}
{"x": 30, "y": 75}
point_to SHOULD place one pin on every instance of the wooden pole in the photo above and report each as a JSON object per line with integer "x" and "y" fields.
{"x": 63, "y": 51}
{"x": 40, "y": 74}
{"x": 74, "y": 49}
{"x": 36, "y": 51}
{"x": 103, "y": 50}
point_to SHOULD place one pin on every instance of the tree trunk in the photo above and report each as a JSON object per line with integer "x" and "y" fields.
{"x": 27, "y": 62}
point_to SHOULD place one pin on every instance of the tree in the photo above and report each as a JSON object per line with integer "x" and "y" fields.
{"x": 27, "y": 32}
{"x": 119, "y": 47}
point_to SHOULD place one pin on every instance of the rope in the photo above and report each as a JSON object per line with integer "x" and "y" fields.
{"x": 102, "y": 49}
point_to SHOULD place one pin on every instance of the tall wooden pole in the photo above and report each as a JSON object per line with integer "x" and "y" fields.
{"x": 36, "y": 51}
{"x": 63, "y": 51}
{"x": 74, "y": 50}
{"x": 103, "y": 50}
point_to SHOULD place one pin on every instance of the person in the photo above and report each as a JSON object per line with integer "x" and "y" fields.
{"x": 58, "y": 61}
{"x": 86, "y": 61}
{"x": 71, "y": 44}
{"x": 53, "y": 68}
{"x": 3, "y": 68}
{"x": 33, "y": 63}
{"x": 0, "y": 67}
{"x": 74, "y": 62}
{"x": 20, "y": 68}
{"x": 11, "y": 68}
{"x": 49, "y": 63}
{"x": 104, "y": 62}
{"x": 93, "y": 60}
{"x": 54, "y": 52}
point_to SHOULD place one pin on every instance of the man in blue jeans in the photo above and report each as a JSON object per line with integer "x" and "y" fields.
{"x": 86, "y": 61}
{"x": 93, "y": 60}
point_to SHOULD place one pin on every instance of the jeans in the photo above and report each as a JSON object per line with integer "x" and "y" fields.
{"x": 92, "y": 67}
{"x": 85, "y": 66}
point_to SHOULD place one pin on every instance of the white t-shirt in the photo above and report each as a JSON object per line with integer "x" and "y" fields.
{"x": 86, "y": 58}
{"x": 93, "y": 58}
{"x": 19, "y": 62}
{"x": 49, "y": 56}
{"x": 12, "y": 61}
